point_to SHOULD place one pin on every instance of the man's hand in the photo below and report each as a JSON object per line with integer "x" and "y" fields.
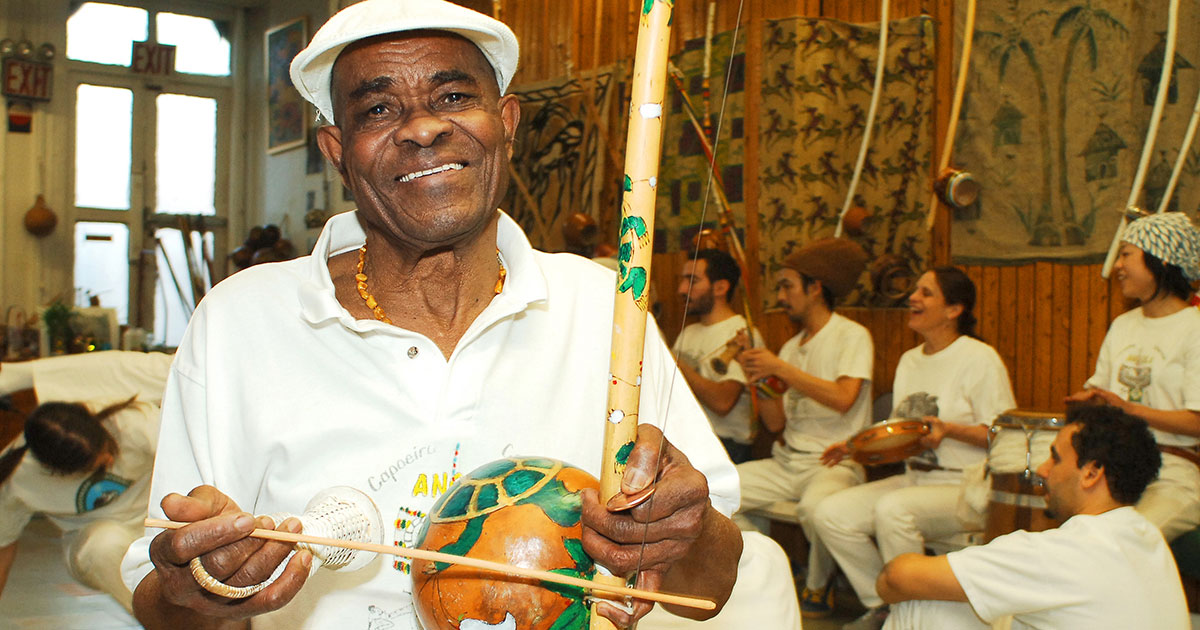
{"x": 1097, "y": 395}
{"x": 218, "y": 535}
{"x": 658, "y": 539}
{"x": 937, "y": 433}
{"x": 835, "y": 453}
{"x": 760, "y": 363}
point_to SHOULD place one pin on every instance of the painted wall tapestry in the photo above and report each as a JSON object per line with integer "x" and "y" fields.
{"x": 1057, "y": 108}
{"x": 684, "y": 171}
{"x": 559, "y": 156}
{"x": 817, "y": 82}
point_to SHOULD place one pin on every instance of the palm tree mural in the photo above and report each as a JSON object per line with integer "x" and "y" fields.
{"x": 1082, "y": 21}
{"x": 1002, "y": 44}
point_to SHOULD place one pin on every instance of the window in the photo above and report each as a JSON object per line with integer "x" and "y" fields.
{"x": 200, "y": 47}
{"x": 102, "y": 265}
{"x": 104, "y": 33}
{"x": 150, "y": 162}
{"x": 103, "y": 125}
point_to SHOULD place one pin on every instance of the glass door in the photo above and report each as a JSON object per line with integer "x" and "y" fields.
{"x": 150, "y": 198}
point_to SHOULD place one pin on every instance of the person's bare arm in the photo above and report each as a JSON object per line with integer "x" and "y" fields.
{"x": 838, "y": 394}
{"x": 916, "y": 576}
{"x": 770, "y": 410}
{"x": 719, "y": 396}
{"x": 1179, "y": 421}
{"x": 973, "y": 434}
{"x": 8, "y": 553}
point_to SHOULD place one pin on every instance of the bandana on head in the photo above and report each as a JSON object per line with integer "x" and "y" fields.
{"x": 1170, "y": 237}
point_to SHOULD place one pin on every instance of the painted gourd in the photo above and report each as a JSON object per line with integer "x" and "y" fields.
{"x": 520, "y": 511}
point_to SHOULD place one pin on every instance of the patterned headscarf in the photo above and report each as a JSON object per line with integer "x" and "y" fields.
{"x": 1170, "y": 237}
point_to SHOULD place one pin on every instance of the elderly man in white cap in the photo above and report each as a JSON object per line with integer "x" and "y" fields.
{"x": 422, "y": 338}
{"x": 1149, "y": 363}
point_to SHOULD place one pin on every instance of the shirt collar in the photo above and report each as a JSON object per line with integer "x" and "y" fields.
{"x": 524, "y": 285}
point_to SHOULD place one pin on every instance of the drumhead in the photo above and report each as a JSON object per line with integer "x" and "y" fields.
{"x": 889, "y": 441}
{"x": 1027, "y": 419}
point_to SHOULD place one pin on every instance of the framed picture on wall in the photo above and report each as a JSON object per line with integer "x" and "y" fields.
{"x": 287, "y": 116}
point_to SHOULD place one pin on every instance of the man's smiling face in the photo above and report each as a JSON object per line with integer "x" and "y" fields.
{"x": 424, "y": 136}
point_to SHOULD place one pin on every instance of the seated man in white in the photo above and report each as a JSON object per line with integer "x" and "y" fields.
{"x": 1105, "y": 567}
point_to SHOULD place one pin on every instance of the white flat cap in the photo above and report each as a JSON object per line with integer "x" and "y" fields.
{"x": 311, "y": 69}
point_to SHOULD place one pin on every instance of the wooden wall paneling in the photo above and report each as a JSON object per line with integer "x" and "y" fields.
{"x": 898, "y": 342}
{"x": 1043, "y": 334}
{"x": 1060, "y": 341}
{"x": 878, "y": 322}
{"x": 1117, "y": 303}
{"x": 775, "y": 9}
{"x": 1098, "y": 300}
{"x": 868, "y": 11}
{"x": 975, "y": 273}
{"x": 1078, "y": 336}
{"x": 988, "y": 294}
{"x": 1006, "y": 314}
{"x": 1023, "y": 370}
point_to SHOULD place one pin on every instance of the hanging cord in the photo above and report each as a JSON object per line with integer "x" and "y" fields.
{"x": 1160, "y": 99}
{"x": 880, "y": 65}
{"x": 964, "y": 65}
{"x": 1182, "y": 157}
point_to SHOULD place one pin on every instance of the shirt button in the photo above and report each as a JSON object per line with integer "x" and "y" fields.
{"x": 412, "y": 352}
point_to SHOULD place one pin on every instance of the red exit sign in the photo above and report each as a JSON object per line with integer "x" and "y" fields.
{"x": 27, "y": 79}
{"x": 151, "y": 58}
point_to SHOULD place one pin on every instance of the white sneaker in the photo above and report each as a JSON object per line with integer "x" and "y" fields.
{"x": 871, "y": 620}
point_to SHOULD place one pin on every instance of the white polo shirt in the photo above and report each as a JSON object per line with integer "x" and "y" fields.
{"x": 277, "y": 393}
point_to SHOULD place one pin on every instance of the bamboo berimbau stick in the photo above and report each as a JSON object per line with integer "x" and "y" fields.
{"x": 642, "y": 150}
{"x": 487, "y": 565}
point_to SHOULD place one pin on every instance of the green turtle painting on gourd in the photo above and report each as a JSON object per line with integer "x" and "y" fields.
{"x": 519, "y": 511}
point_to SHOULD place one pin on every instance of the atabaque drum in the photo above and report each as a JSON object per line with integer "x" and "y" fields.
{"x": 518, "y": 511}
{"x": 1018, "y": 442}
{"x": 888, "y": 442}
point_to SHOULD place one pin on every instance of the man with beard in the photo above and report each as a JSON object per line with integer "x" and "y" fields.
{"x": 1105, "y": 567}
{"x": 827, "y": 368}
{"x": 423, "y": 338}
{"x": 706, "y": 285}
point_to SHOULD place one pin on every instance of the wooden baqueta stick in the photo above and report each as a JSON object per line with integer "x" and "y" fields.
{"x": 487, "y": 565}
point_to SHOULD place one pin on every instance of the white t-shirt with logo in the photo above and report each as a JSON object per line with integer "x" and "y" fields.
{"x": 964, "y": 383}
{"x": 841, "y": 348}
{"x": 1154, "y": 361}
{"x": 697, "y": 346}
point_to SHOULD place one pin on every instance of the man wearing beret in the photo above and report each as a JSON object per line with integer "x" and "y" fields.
{"x": 827, "y": 368}
{"x": 423, "y": 338}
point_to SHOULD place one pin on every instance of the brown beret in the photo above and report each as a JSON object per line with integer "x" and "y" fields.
{"x": 836, "y": 262}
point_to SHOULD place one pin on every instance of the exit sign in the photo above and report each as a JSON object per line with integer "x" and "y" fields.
{"x": 151, "y": 58}
{"x": 27, "y": 79}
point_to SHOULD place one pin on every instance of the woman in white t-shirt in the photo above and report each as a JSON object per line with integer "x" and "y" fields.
{"x": 1149, "y": 363}
{"x": 956, "y": 383}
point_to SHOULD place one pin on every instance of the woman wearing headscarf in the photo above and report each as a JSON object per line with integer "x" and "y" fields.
{"x": 1149, "y": 363}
